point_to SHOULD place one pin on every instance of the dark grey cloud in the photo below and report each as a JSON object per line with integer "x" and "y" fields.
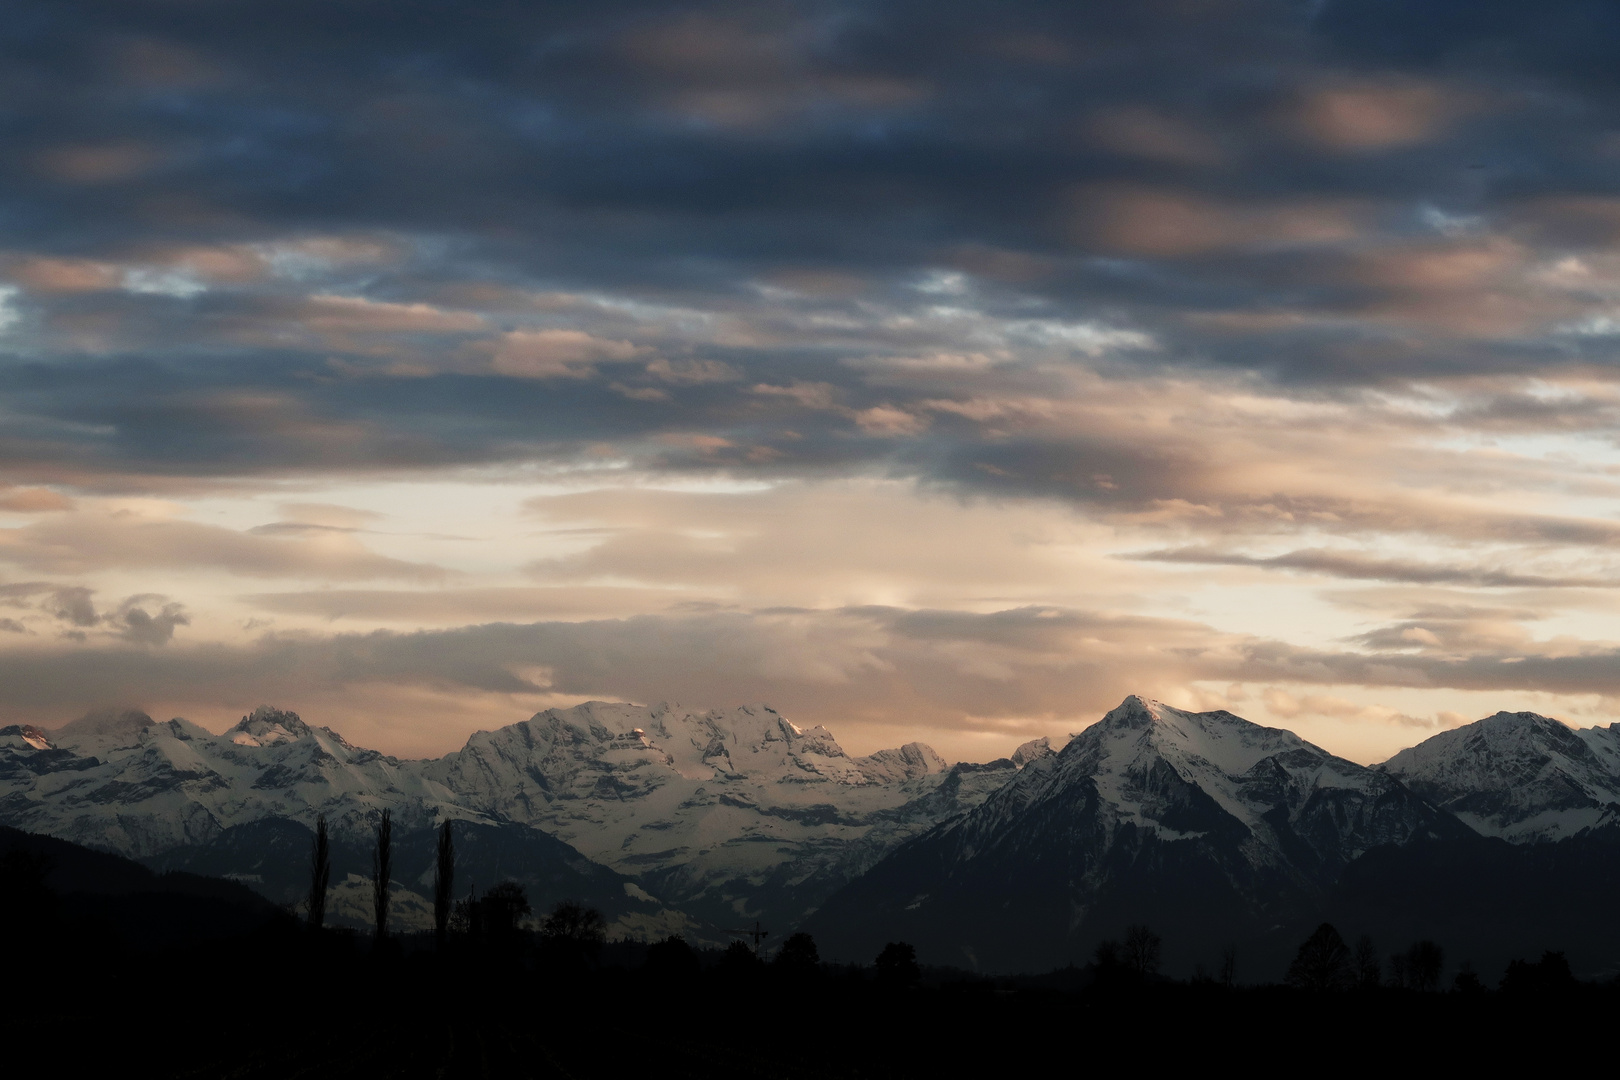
{"x": 1321, "y": 196}
{"x": 141, "y": 627}
{"x": 855, "y": 666}
{"x": 1350, "y": 565}
{"x": 69, "y": 603}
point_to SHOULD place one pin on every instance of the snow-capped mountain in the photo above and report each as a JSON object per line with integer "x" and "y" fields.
{"x": 1185, "y": 820}
{"x": 737, "y": 814}
{"x": 1519, "y": 776}
{"x": 242, "y": 805}
{"x": 140, "y": 788}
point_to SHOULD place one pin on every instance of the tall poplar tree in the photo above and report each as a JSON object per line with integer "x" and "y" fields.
{"x": 444, "y": 881}
{"x": 382, "y": 865}
{"x": 320, "y": 873}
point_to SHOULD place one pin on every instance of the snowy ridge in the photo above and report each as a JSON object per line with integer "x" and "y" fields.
{"x": 127, "y": 784}
{"x": 737, "y": 811}
{"x": 1519, "y": 776}
{"x": 734, "y": 813}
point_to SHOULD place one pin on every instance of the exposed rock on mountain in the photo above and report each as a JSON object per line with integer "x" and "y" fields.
{"x": 1519, "y": 776}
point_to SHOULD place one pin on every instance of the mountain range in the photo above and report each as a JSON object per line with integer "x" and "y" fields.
{"x": 1212, "y": 829}
{"x": 668, "y": 819}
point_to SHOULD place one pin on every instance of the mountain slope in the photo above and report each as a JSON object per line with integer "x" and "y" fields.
{"x": 1202, "y": 824}
{"x": 1519, "y": 776}
{"x": 140, "y": 908}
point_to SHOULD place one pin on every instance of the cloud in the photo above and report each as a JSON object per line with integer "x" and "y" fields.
{"x": 863, "y": 670}
{"x": 1352, "y": 565}
{"x": 33, "y": 500}
{"x": 1201, "y": 282}
{"x": 87, "y": 541}
{"x": 549, "y": 354}
{"x": 137, "y": 625}
{"x": 1373, "y": 114}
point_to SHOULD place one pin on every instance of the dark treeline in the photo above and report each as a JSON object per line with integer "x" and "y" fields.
{"x": 506, "y": 991}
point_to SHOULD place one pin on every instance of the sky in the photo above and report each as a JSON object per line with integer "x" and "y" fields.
{"x": 938, "y": 371}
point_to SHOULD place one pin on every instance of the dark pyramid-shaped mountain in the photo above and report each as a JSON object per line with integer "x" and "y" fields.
{"x": 1204, "y": 825}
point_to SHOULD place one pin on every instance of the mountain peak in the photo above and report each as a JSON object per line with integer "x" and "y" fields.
{"x": 1518, "y": 775}
{"x": 1033, "y": 750}
{"x": 267, "y": 726}
{"x": 102, "y": 729}
{"x": 1134, "y": 712}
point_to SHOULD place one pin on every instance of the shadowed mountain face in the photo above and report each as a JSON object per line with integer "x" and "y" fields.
{"x": 1519, "y": 776}
{"x": 141, "y": 909}
{"x": 1202, "y": 824}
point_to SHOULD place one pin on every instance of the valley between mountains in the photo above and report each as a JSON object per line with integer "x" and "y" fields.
{"x": 1218, "y": 832}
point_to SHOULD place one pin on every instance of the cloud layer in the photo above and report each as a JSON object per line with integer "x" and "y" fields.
{"x": 1288, "y": 328}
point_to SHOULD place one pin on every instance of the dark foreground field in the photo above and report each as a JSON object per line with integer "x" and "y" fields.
{"x": 113, "y": 970}
{"x": 284, "y": 1003}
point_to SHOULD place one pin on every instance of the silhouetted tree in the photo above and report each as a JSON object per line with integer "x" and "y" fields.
{"x": 464, "y": 919}
{"x": 739, "y": 962}
{"x": 1467, "y": 980}
{"x": 1140, "y": 953}
{"x": 1550, "y": 975}
{"x": 502, "y": 910}
{"x": 1399, "y": 977}
{"x": 897, "y": 964}
{"x": 320, "y": 873}
{"x": 1227, "y": 975}
{"x": 672, "y": 959}
{"x": 1108, "y": 968}
{"x": 444, "y": 881}
{"x": 382, "y": 868}
{"x": 1322, "y": 963}
{"x": 1424, "y": 962}
{"x": 1366, "y": 973}
{"x": 576, "y": 926}
{"x": 799, "y": 955}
